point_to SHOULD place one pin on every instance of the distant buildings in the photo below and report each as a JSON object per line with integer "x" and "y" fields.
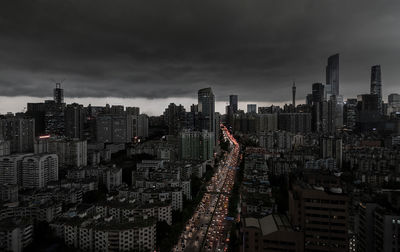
{"x": 70, "y": 152}
{"x": 20, "y": 132}
{"x": 376, "y": 84}
{"x": 251, "y": 108}
{"x": 233, "y": 103}
{"x": 74, "y": 121}
{"x": 332, "y": 75}
{"x": 196, "y": 145}
{"x": 38, "y": 170}
{"x": 206, "y": 107}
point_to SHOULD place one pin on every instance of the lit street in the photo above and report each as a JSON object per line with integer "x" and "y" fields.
{"x": 208, "y": 228}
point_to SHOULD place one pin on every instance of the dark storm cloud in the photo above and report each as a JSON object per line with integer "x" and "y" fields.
{"x": 159, "y": 48}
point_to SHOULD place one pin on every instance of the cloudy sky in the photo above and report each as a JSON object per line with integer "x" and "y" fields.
{"x": 146, "y": 52}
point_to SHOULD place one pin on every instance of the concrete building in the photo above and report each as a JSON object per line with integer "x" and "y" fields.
{"x": 15, "y": 234}
{"x": 38, "y": 170}
{"x": 206, "y": 108}
{"x": 140, "y": 126}
{"x": 70, "y": 152}
{"x": 114, "y": 128}
{"x": 196, "y": 145}
{"x": 332, "y": 147}
{"x": 322, "y": 214}
{"x": 20, "y": 132}
{"x": 267, "y": 122}
{"x": 295, "y": 122}
{"x": 270, "y": 233}
{"x": 5, "y": 148}
{"x": 11, "y": 169}
{"x": 74, "y": 120}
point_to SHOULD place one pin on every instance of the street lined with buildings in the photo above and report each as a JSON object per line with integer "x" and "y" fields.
{"x": 208, "y": 228}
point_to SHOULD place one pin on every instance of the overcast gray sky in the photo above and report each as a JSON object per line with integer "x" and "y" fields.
{"x": 158, "y": 49}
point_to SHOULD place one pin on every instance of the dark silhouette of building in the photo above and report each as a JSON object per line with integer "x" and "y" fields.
{"x": 376, "y": 84}
{"x": 332, "y": 74}
{"x": 233, "y": 103}
{"x": 74, "y": 120}
{"x": 318, "y": 107}
{"x": 206, "y": 106}
{"x": 174, "y": 117}
{"x": 58, "y": 94}
{"x": 294, "y": 95}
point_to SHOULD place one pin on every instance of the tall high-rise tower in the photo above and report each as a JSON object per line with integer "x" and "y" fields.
{"x": 206, "y": 107}
{"x": 332, "y": 74}
{"x": 294, "y": 94}
{"x": 58, "y": 94}
{"x": 233, "y": 103}
{"x": 376, "y": 84}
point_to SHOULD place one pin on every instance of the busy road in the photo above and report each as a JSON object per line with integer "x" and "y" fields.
{"x": 208, "y": 228}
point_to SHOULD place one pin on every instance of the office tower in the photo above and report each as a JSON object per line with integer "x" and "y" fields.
{"x": 322, "y": 214}
{"x": 251, "y": 108}
{"x": 332, "y": 147}
{"x": 332, "y": 114}
{"x": 332, "y": 74}
{"x": 317, "y": 92}
{"x": 38, "y": 170}
{"x": 309, "y": 99}
{"x": 114, "y": 128}
{"x": 74, "y": 120}
{"x": 233, "y": 103}
{"x": 58, "y": 94}
{"x": 196, "y": 145}
{"x": 206, "y": 107}
{"x": 376, "y": 84}
{"x": 132, "y": 110}
{"x": 368, "y": 102}
{"x": 37, "y": 111}
{"x": 294, "y": 95}
{"x": 20, "y": 132}
{"x": 318, "y": 107}
{"x": 350, "y": 113}
{"x": 140, "y": 126}
{"x": 70, "y": 152}
{"x": 174, "y": 117}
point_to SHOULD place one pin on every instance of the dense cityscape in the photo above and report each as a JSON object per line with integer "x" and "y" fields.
{"x": 319, "y": 176}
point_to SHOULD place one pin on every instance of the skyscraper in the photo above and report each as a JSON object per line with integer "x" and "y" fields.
{"x": 58, "y": 94}
{"x": 376, "y": 84}
{"x": 206, "y": 106}
{"x": 332, "y": 74}
{"x": 233, "y": 103}
{"x": 294, "y": 94}
{"x": 317, "y": 106}
{"x": 74, "y": 119}
{"x": 317, "y": 92}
